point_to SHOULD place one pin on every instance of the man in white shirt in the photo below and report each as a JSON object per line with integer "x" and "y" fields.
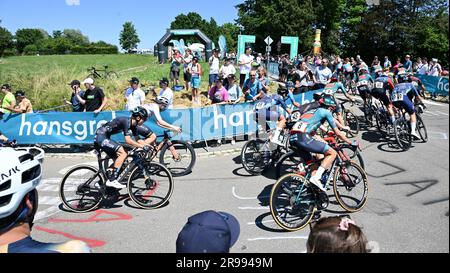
{"x": 322, "y": 75}
{"x": 435, "y": 69}
{"x": 227, "y": 69}
{"x": 245, "y": 64}
{"x": 134, "y": 96}
{"x": 424, "y": 68}
{"x": 214, "y": 67}
{"x": 166, "y": 92}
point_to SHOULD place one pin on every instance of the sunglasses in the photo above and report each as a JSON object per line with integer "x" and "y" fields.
{"x": 252, "y": 75}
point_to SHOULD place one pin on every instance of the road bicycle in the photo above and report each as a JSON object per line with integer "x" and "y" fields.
{"x": 350, "y": 119}
{"x": 402, "y": 129}
{"x": 149, "y": 184}
{"x": 294, "y": 200}
{"x": 102, "y": 73}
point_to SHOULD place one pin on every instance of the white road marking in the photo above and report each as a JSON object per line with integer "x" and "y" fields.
{"x": 65, "y": 170}
{"x": 442, "y": 113}
{"x": 254, "y": 208}
{"x": 246, "y": 198}
{"x": 49, "y": 201}
{"x": 278, "y": 238}
{"x": 435, "y": 103}
{"x": 46, "y": 213}
{"x": 444, "y": 136}
{"x": 261, "y": 222}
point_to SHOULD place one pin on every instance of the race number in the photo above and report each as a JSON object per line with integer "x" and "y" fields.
{"x": 300, "y": 127}
{"x": 296, "y": 117}
{"x": 328, "y": 92}
{"x": 379, "y": 85}
{"x": 363, "y": 83}
{"x": 397, "y": 97}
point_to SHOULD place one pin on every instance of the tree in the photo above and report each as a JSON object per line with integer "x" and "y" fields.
{"x": 128, "y": 37}
{"x": 6, "y": 40}
{"x": 28, "y": 36}
{"x": 75, "y": 37}
{"x": 231, "y": 32}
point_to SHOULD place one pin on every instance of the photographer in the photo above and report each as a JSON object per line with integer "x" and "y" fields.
{"x": 77, "y": 106}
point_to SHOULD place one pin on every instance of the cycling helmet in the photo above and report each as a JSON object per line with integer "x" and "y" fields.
{"x": 363, "y": 68}
{"x": 162, "y": 101}
{"x": 317, "y": 96}
{"x": 328, "y": 101}
{"x": 140, "y": 112}
{"x": 334, "y": 79}
{"x": 283, "y": 91}
{"x": 290, "y": 84}
{"x": 20, "y": 174}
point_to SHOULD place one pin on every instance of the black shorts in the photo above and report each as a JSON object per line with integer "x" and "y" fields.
{"x": 187, "y": 76}
{"x": 306, "y": 144}
{"x": 110, "y": 147}
{"x": 381, "y": 95}
{"x": 144, "y": 131}
{"x": 242, "y": 79}
{"x": 174, "y": 74}
{"x": 364, "y": 92}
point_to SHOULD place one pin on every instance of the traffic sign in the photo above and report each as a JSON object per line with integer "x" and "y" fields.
{"x": 268, "y": 40}
{"x": 268, "y": 48}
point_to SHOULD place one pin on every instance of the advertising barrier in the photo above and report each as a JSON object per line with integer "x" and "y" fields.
{"x": 198, "y": 124}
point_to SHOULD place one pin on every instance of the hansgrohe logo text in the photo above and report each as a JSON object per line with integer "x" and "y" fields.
{"x": 443, "y": 85}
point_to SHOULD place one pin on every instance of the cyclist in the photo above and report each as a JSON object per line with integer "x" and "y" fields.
{"x": 21, "y": 173}
{"x": 403, "y": 96}
{"x": 382, "y": 87}
{"x": 303, "y": 131}
{"x": 4, "y": 141}
{"x": 418, "y": 84}
{"x": 268, "y": 108}
{"x": 364, "y": 84}
{"x": 154, "y": 110}
{"x": 331, "y": 90}
{"x": 129, "y": 128}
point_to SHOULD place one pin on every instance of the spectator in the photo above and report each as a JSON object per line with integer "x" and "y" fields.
{"x": 214, "y": 68}
{"x": 293, "y": 76}
{"x": 24, "y": 105}
{"x": 245, "y": 65}
{"x": 77, "y": 106}
{"x": 94, "y": 99}
{"x": 424, "y": 68}
{"x": 227, "y": 69}
{"x": 134, "y": 96}
{"x": 166, "y": 92}
{"x": 176, "y": 61}
{"x": 262, "y": 78}
{"x": 218, "y": 94}
{"x": 375, "y": 62}
{"x": 187, "y": 64}
{"x": 208, "y": 232}
{"x": 397, "y": 66}
{"x": 305, "y": 77}
{"x": 9, "y": 100}
{"x": 322, "y": 75}
{"x": 20, "y": 204}
{"x": 435, "y": 68}
{"x": 408, "y": 64}
{"x": 234, "y": 90}
{"x": 336, "y": 235}
{"x": 417, "y": 65}
{"x": 387, "y": 63}
{"x": 196, "y": 72}
{"x": 253, "y": 89}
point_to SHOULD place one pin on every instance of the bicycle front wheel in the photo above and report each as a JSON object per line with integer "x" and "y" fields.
{"x": 182, "y": 161}
{"x": 351, "y": 187}
{"x": 351, "y": 120}
{"x": 150, "y": 187}
{"x": 252, "y": 157}
{"x": 402, "y": 134}
{"x": 292, "y": 202}
{"x": 80, "y": 189}
{"x": 422, "y": 129}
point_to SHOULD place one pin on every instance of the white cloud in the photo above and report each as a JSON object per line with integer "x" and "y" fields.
{"x": 73, "y": 2}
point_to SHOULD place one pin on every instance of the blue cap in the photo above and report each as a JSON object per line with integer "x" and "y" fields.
{"x": 208, "y": 232}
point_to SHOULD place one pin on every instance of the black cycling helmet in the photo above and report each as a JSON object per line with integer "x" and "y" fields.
{"x": 282, "y": 91}
{"x": 140, "y": 112}
{"x": 404, "y": 78}
{"x": 317, "y": 96}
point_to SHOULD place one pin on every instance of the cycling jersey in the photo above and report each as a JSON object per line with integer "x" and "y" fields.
{"x": 381, "y": 86}
{"x": 102, "y": 139}
{"x": 403, "y": 95}
{"x": 332, "y": 88}
{"x": 348, "y": 68}
{"x": 29, "y": 245}
{"x": 312, "y": 120}
{"x": 269, "y": 106}
{"x": 364, "y": 84}
{"x": 153, "y": 111}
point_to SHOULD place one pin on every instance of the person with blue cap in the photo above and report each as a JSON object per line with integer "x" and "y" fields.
{"x": 208, "y": 232}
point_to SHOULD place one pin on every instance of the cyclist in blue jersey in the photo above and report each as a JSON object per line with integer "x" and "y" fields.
{"x": 364, "y": 84}
{"x": 403, "y": 96}
{"x": 302, "y": 137}
{"x": 330, "y": 90}
{"x": 382, "y": 87}
{"x": 20, "y": 174}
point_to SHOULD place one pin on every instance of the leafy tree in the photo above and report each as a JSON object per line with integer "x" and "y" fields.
{"x": 29, "y": 36}
{"x": 128, "y": 37}
{"x": 6, "y": 40}
{"x": 231, "y": 32}
{"x": 75, "y": 37}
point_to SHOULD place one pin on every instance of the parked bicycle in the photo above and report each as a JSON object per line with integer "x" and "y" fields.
{"x": 102, "y": 73}
{"x": 149, "y": 184}
{"x": 294, "y": 201}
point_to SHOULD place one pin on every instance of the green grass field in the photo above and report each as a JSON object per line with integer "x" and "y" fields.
{"x": 45, "y": 78}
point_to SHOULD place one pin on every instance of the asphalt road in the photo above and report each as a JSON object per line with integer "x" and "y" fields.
{"x": 407, "y": 209}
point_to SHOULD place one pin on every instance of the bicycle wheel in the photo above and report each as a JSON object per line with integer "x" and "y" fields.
{"x": 351, "y": 120}
{"x": 351, "y": 187}
{"x": 292, "y": 202}
{"x": 402, "y": 134}
{"x": 186, "y": 158}
{"x": 112, "y": 76}
{"x": 354, "y": 155}
{"x": 382, "y": 124}
{"x": 422, "y": 129}
{"x": 153, "y": 189}
{"x": 80, "y": 189}
{"x": 252, "y": 157}
{"x": 288, "y": 163}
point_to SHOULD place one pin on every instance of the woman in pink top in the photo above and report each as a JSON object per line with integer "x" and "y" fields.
{"x": 218, "y": 94}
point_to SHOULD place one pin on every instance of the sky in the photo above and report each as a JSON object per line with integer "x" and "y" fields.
{"x": 104, "y": 19}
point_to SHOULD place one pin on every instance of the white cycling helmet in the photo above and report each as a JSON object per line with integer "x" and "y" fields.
{"x": 162, "y": 100}
{"x": 20, "y": 173}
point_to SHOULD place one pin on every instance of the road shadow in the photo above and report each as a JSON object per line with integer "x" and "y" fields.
{"x": 260, "y": 223}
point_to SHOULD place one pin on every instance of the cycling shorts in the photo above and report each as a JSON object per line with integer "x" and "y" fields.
{"x": 306, "y": 143}
{"x": 406, "y": 104}
{"x": 103, "y": 143}
{"x": 381, "y": 95}
{"x": 144, "y": 131}
{"x": 364, "y": 92}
